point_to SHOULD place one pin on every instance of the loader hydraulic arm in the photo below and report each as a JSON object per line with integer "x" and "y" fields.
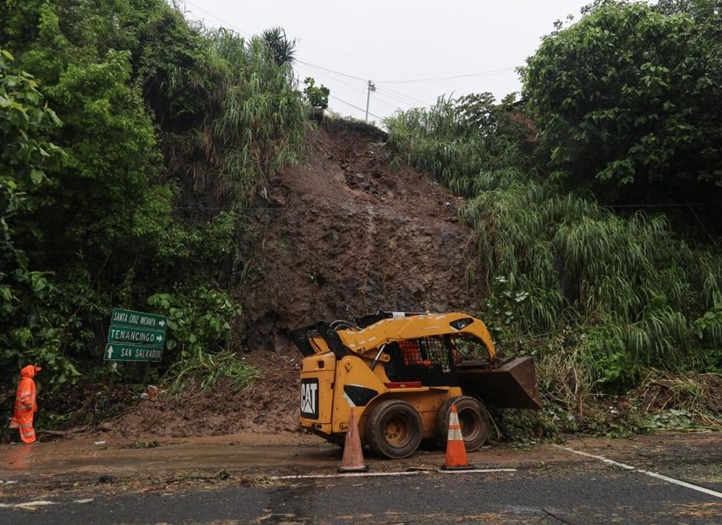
{"x": 373, "y": 332}
{"x": 388, "y": 327}
{"x": 382, "y": 328}
{"x": 318, "y": 338}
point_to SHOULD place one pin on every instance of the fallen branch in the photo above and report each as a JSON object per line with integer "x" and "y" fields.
{"x": 61, "y": 433}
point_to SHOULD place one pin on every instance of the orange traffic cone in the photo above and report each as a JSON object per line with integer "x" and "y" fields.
{"x": 353, "y": 458}
{"x": 455, "y": 448}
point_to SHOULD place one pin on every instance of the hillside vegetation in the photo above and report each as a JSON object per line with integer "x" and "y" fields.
{"x": 137, "y": 150}
{"x": 134, "y": 145}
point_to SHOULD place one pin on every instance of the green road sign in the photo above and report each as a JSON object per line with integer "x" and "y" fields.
{"x": 140, "y": 319}
{"x": 138, "y": 336}
{"x": 126, "y": 352}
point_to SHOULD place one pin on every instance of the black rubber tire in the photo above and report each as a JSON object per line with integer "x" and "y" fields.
{"x": 473, "y": 420}
{"x": 394, "y": 429}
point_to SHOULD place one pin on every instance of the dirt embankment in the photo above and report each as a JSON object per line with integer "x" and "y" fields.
{"x": 344, "y": 235}
{"x": 349, "y": 235}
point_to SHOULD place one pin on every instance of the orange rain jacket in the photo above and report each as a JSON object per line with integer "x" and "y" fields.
{"x": 25, "y": 404}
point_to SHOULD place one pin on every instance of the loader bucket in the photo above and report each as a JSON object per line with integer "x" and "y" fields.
{"x": 509, "y": 383}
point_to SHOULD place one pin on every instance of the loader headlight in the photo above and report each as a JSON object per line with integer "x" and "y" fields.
{"x": 460, "y": 324}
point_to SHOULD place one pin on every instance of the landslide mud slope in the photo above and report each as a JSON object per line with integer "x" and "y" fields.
{"x": 347, "y": 235}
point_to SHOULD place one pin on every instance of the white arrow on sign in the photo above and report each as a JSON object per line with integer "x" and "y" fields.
{"x": 159, "y": 338}
{"x": 161, "y": 323}
{"x": 110, "y": 352}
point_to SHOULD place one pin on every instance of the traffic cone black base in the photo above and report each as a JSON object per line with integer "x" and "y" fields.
{"x": 467, "y": 467}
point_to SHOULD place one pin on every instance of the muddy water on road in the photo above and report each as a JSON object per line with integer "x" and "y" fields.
{"x": 253, "y": 455}
{"x": 694, "y": 457}
{"x": 166, "y": 457}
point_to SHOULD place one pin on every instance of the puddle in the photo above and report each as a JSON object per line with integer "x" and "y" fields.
{"x": 164, "y": 458}
{"x": 19, "y": 457}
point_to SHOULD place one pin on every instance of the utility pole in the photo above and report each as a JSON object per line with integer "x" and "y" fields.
{"x": 372, "y": 87}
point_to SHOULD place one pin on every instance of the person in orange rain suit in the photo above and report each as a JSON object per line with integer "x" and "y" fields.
{"x": 25, "y": 404}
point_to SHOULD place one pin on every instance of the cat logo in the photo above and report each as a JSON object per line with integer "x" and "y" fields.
{"x": 309, "y": 398}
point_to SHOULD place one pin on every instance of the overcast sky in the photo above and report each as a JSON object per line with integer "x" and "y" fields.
{"x": 413, "y": 51}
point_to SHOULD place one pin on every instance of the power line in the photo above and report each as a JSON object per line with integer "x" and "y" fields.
{"x": 442, "y": 79}
{"x": 409, "y": 101}
{"x": 411, "y": 81}
{"x": 331, "y": 70}
{"x": 219, "y": 19}
{"x": 355, "y": 107}
{"x": 400, "y": 97}
{"x": 418, "y": 80}
{"x": 298, "y": 61}
{"x": 394, "y": 105}
{"x": 402, "y": 101}
{"x": 356, "y": 88}
{"x": 392, "y": 102}
{"x": 345, "y": 83}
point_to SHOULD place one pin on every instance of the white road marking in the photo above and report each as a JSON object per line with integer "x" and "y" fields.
{"x": 647, "y": 472}
{"x": 27, "y": 504}
{"x": 478, "y": 470}
{"x": 37, "y": 503}
{"x": 382, "y": 474}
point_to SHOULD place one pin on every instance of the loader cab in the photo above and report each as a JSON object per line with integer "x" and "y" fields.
{"x": 429, "y": 360}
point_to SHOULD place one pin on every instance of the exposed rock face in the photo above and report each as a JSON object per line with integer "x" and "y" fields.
{"x": 347, "y": 235}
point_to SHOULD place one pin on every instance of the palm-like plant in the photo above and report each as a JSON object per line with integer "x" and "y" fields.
{"x": 253, "y": 120}
{"x": 282, "y": 49}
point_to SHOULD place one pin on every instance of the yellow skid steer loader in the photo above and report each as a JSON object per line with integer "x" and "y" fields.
{"x": 401, "y": 372}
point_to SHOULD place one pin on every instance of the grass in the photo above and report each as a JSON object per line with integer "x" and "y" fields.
{"x": 692, "y": 396}
{"x": 608, "y": 305}
{"x": 203, "y": 370}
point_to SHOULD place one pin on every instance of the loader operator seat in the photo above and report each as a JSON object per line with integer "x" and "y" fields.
{"x": 420, "y": 360}
{"x": 412, "y": 353}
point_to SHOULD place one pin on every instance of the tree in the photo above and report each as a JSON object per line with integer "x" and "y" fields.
{"x": 704, "y": 12}
{"x": 627, "y": 101}
{"x": 166, "y": 125}
{"x": 317, "y": 96}
{"x": 101, "y": 211}
{"x": 26, "y": 152}
{"x": 282, "y": 49}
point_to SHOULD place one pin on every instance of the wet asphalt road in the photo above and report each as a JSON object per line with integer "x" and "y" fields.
{"x": 611, "y": 496}
{"x": 545, "y": 485}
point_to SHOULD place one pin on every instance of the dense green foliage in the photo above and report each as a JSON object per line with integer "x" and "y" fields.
{"x": 598, "y": 298}
{"x": 140, "y": 199}
{"x": 317, "y": 96}
{"x": 627, "y": 101}
{"x": 31, "y": 328}
{"x": 461, "y": 141}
